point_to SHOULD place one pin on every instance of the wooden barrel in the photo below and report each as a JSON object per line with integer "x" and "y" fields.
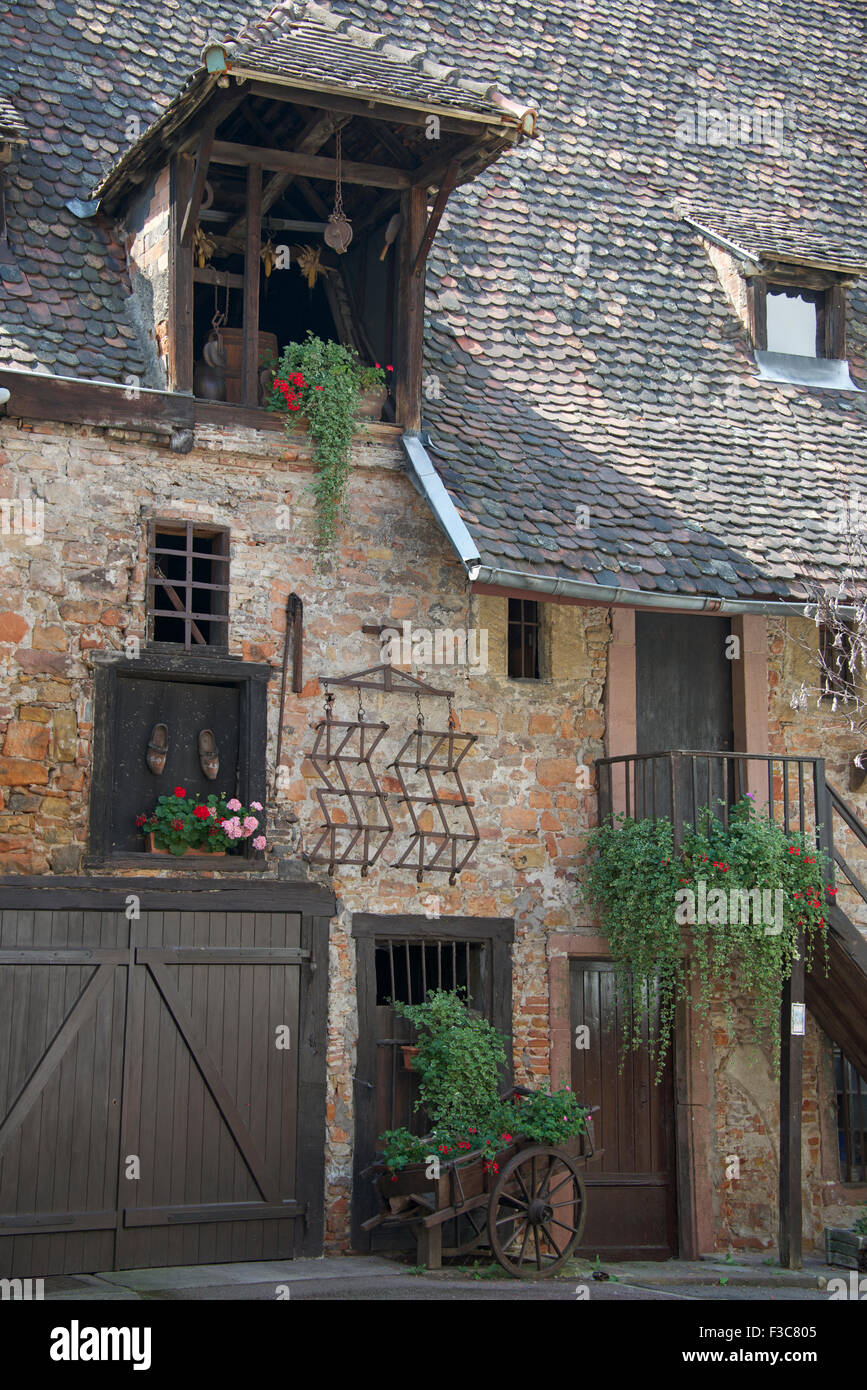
{"x": 233, "y": 340}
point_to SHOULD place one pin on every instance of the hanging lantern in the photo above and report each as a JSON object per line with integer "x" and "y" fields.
{"x": 338, "y": 230}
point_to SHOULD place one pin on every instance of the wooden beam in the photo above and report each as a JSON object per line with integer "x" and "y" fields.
{"x": 318, "y": 204}
{"x": 374, "y": 110}
{"x": 250, "y": 377}
{"x": 191, "y": 216}
{"x": 180, "y": 326}
{"x": 433, "y": 221}
{"x": 791, "y": 1101}
{"x": 410, "y": 311}
{"x": 312, "y": 138}
{"x": 311, "y": 165}
{"x": 207, "y": 275}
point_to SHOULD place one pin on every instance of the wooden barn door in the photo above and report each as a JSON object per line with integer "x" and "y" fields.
{"x": 148, "y": 1115}
{"x": 631, "y": 1187}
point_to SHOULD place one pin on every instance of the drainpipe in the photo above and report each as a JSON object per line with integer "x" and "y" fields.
{"x": 428, "y": 482}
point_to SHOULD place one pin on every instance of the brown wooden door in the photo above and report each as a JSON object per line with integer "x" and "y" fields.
{"x": 631, "y": 1193}
{"x": 683, "y": 688}
{"x": 147, "y": 1115}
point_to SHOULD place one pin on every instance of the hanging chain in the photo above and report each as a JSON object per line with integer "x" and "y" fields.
{"x": 360, "y": 708}
{"x": 419, "y": 717}
{"x": 329, "y": 703}
{"x": 338, "y": 187}
{"x": 453, "y": 719}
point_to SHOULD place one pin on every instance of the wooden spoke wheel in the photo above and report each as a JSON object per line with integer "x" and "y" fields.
{"x": 536, "y": 1213}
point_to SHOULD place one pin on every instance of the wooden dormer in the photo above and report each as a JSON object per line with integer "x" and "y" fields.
{"x": 246, "y": 156}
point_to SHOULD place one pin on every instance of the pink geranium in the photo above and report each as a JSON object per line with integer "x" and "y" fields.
{"x": 256, "y": 805}
{"x": 233, "y": 805}
{"x": 251, "y": 823}
{"x": 260, "y": 842}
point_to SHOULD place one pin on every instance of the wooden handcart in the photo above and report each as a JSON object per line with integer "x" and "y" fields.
{"x": 527, "y": 1204}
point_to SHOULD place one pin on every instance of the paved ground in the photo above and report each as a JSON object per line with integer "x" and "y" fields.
{"x": 373, "y": 1279}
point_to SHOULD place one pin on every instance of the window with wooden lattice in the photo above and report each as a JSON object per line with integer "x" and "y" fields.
{"x": 188, "y": 585}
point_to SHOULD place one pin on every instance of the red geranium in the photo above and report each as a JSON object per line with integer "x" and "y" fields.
{"x": 140, "y": 820}
{"x": 179, "y": 791}
{"x": 202, "y": 813}
{"x": 177, "y": 825}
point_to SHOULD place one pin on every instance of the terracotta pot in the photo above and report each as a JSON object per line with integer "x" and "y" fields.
{"x": 408, "y": 1054}
{"x": 370, "y": 403}
{"x": 152, "y": 849}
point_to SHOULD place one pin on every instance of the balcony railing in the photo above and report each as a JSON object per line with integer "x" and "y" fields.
{"x": 680, "y": 784}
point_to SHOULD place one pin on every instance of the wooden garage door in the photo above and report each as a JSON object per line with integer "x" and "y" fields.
{"x": 631, "y": 1187}
{"x": 147, "y": 1114}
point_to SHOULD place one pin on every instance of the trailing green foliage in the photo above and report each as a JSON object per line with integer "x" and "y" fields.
{"x": 322, "y": 382}
{"x": 648, "y": 894}
{"x": 459, "y": 1063}
{"x": 859, "y": 1225}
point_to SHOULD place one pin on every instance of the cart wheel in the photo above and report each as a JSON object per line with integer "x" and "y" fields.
{"x": 536, "y": 1213}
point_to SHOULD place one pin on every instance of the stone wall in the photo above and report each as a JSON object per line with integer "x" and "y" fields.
{"x": 82, "y": 590}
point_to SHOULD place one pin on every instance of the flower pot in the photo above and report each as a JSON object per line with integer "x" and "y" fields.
{"x": 370, "y": 403}
{"x": 846, "y": 1248}
{"x": 153, "y": 849}
{"x": 408, "y": 1053}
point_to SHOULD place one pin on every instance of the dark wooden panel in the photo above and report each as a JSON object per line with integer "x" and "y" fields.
{"x": 631, "y": 1206}
{"x": 157, "y": 1038}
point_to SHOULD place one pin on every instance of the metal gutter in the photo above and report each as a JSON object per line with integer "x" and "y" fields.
{"x": 429, "y": 483}
{"x": 427, "y": 480}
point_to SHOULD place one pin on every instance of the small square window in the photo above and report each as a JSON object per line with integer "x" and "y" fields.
{"x": 188, "y": 585}
{"x": 798, "y": 319}
{"x": 523, "y": 639}
{"x": 793, "y": 321}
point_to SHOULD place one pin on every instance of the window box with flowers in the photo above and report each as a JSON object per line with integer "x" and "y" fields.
{"x": 218, "y": 825}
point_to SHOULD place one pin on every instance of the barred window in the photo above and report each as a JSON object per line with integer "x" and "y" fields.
{"x": 188, "y": 585}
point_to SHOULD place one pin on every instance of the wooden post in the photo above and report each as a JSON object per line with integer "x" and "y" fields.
{"x": 791, "y": 1100}
{"x": 180, "y": 326}
{"x": 413, "y": 204}
{"x": 252, "y": 248}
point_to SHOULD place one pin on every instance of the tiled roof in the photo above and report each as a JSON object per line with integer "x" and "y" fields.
{"x": 581, "y": 350}
{"x": 310, "y": 43}
{"x": 11, "y": 125}
{"x": 764, "y": 235}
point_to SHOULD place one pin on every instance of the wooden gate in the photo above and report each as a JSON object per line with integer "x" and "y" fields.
{"x": 631, "y": 1188}
{"x": 161, "y": 1075}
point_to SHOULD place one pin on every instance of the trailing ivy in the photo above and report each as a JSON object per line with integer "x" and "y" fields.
{"x": 322, "y": 382}
{"x": 649, "y": 895}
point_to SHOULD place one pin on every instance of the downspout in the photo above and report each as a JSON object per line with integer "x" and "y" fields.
{"x": 428, "y": 482}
